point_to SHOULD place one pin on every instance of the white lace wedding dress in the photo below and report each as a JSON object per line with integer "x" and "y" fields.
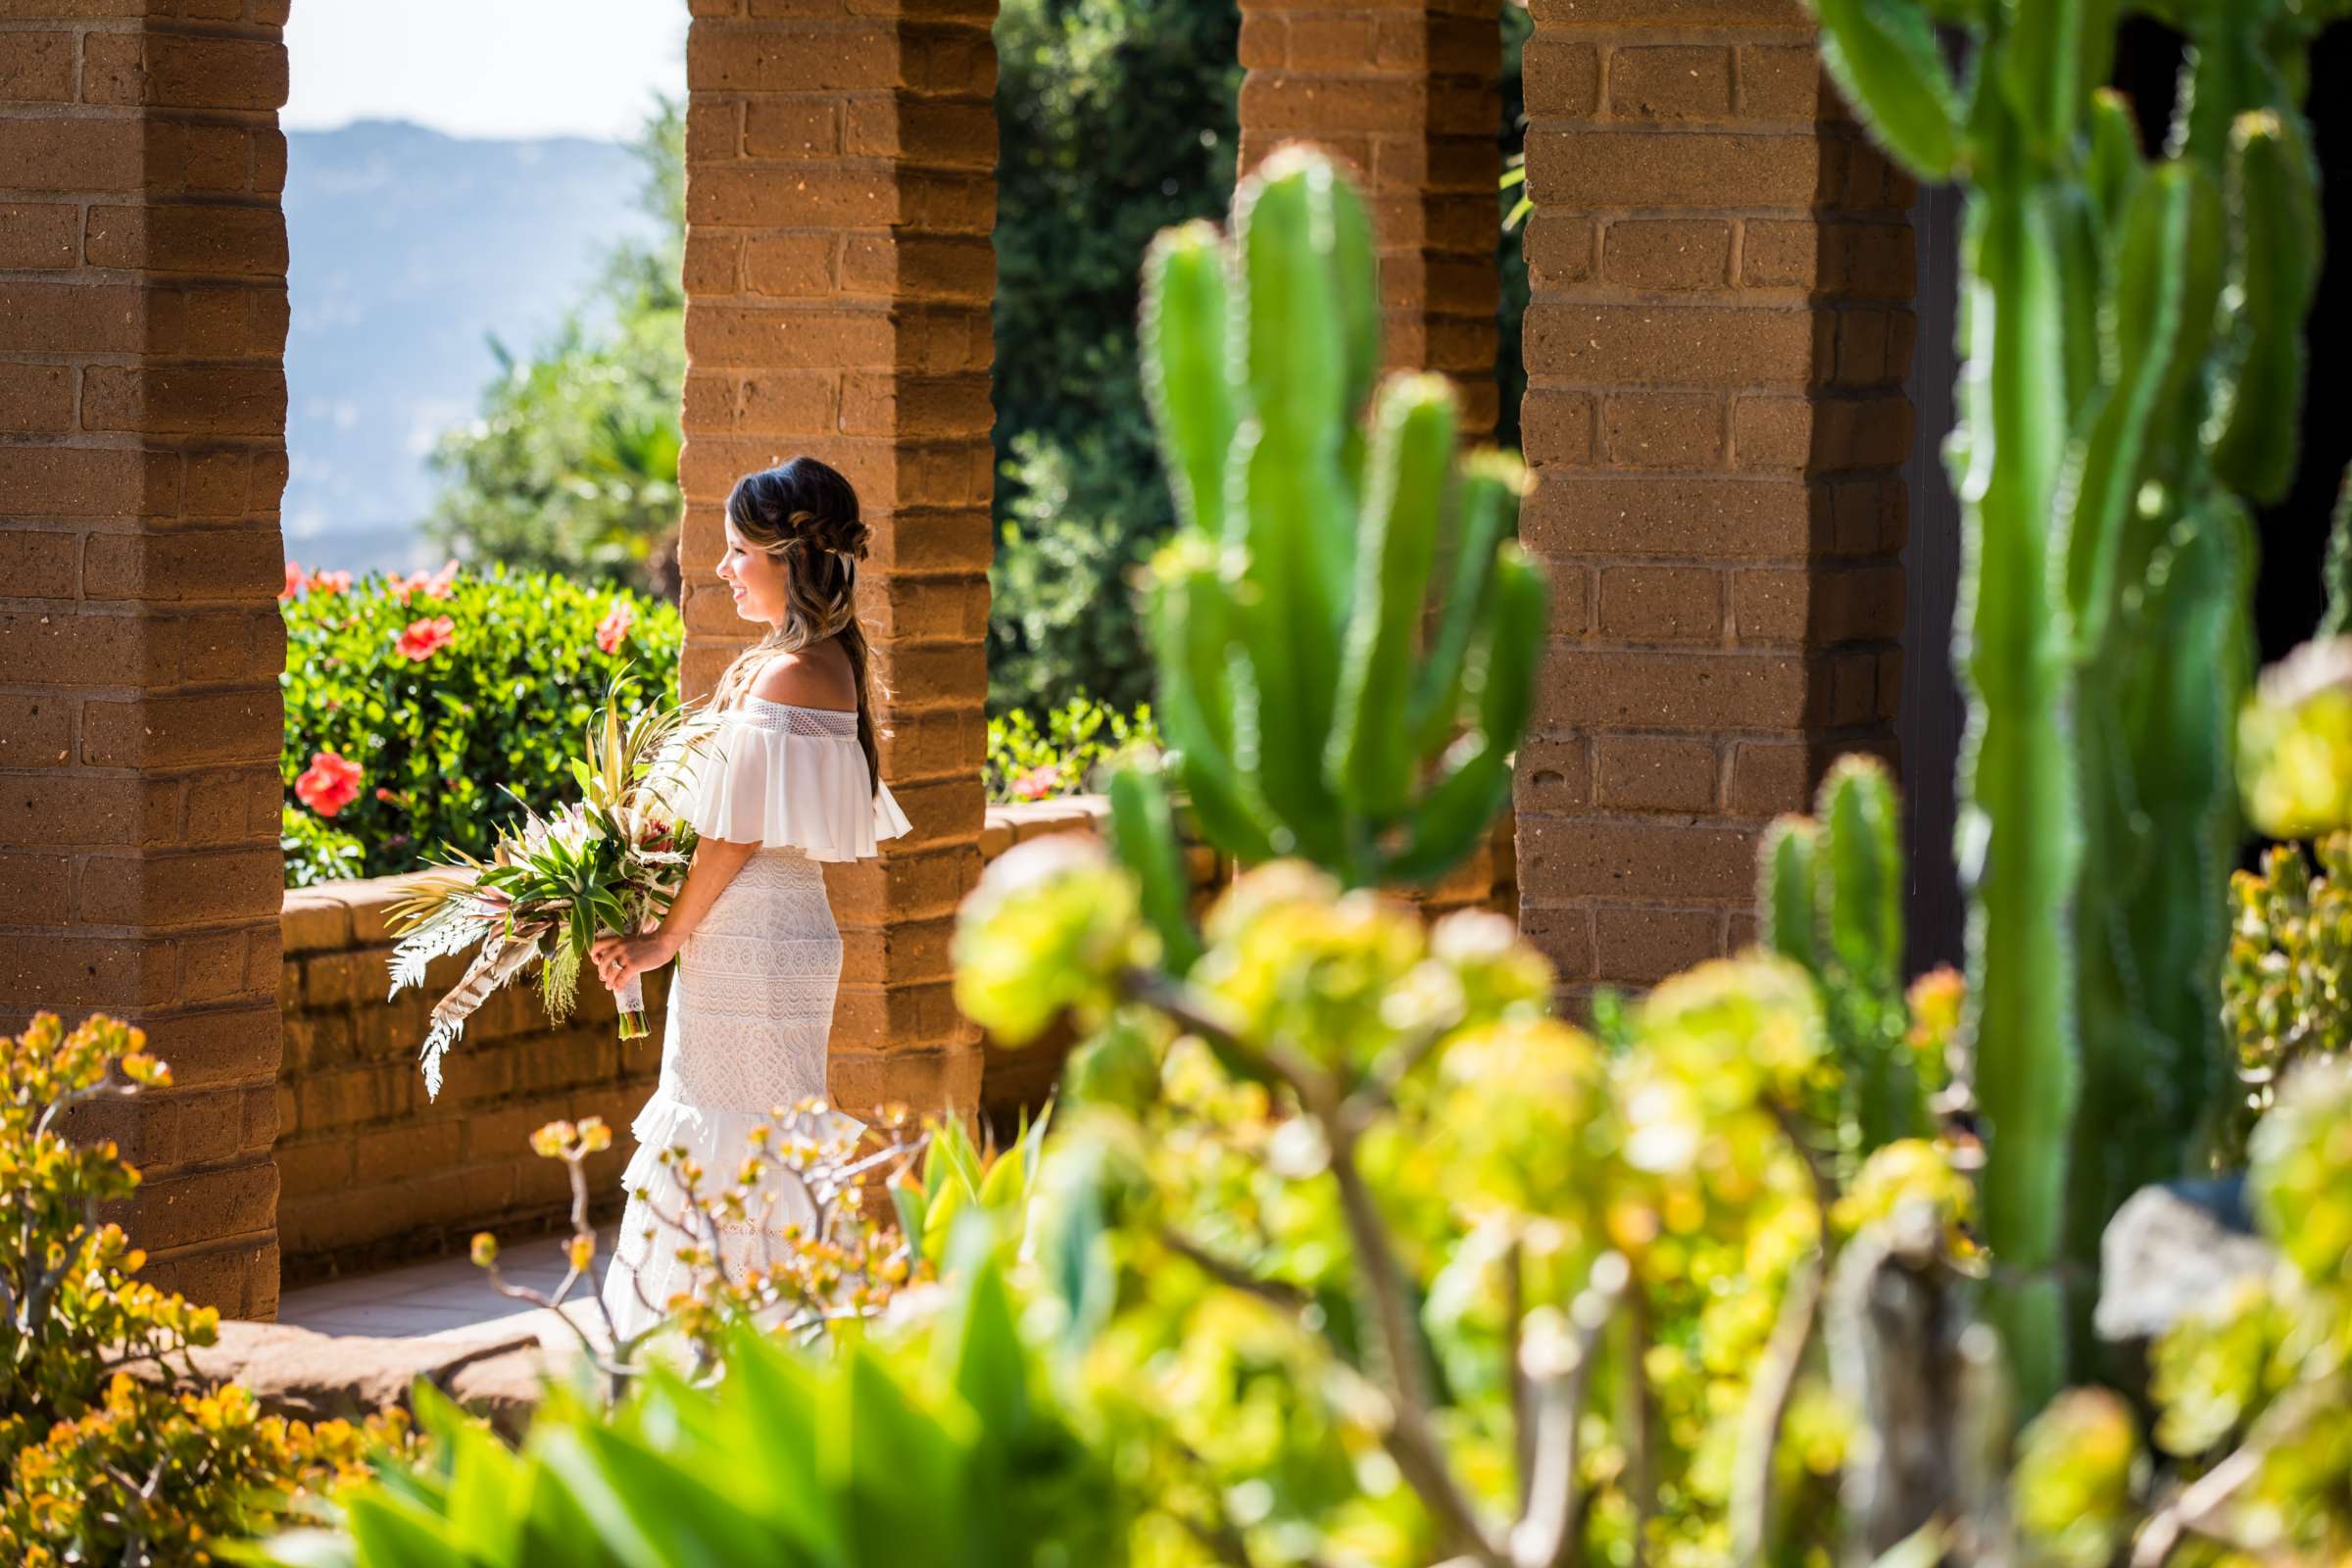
{"x": 751, "y": 1000}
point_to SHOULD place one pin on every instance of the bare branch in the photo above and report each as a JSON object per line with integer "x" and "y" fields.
{"x": 1638, "y": 1421}
{"x": 1767, "y": 1409}
{"x": 1186, "y": 1007}
{"x": 1410, "y": 1440}
{"x": 1559, "y": 1367}
{"x": 1278, "y": 1293}
{"x": 2196, "y": 1509}
{"x": 1515, "y": 1369}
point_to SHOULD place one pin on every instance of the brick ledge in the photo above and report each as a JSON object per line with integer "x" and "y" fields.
{"x": 332, "y": 916}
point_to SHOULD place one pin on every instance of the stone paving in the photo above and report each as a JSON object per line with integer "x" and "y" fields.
{"x": 449, "y": 1295}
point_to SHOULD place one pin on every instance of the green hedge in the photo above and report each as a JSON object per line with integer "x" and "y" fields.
{"x": 1115, "y": 119}
{"x": 503, "y": 703}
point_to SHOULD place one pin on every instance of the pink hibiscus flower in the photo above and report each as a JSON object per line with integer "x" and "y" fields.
{"x": 330, "y": 582}
{"x": 438, "y": 584}
{"x": 613, "y": 630}
{"x": 294, "y": 580}
{"x": 424, "y": 638}
{"x": 1038, "y": 783}
{"x": 328, "y": 784}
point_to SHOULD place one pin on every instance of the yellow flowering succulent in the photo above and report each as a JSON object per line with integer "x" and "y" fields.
{"x": 1047, "y": 932}
{"x": 2295, "y": 743}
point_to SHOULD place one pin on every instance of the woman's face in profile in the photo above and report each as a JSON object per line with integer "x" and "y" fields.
{"x": 756, "y": 577}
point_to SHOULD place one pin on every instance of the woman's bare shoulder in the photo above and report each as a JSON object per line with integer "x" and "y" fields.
{"x": 812, "y": 678}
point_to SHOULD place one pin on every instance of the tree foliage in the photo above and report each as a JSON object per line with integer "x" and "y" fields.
{"x": 434, "y": 725}
{"x": 572, "y": 464}
{"x": 1116, "y": 117}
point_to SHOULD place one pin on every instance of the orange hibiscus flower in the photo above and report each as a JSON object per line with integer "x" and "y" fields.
{"x": 328, "y": 784}
{"x": 424, "y": 638}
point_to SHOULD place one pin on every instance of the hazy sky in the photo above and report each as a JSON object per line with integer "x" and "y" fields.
{"x": 485, "y": 68}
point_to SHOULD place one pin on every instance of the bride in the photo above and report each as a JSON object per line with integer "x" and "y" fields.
{"x": 791, "y": 778}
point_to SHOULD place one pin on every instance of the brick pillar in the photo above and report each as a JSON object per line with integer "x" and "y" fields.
{"x": 1716, "y": 342}
{"x": 1405, "y": 93}
{"x": 839, "y": 194}
{"x": 142, "y": 455}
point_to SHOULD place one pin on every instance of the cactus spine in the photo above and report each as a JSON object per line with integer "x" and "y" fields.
{"x": 2132, "y": 332}
{"x": 1306, "y": 713}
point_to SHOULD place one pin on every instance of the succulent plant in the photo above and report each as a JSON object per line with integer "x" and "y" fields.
{"x": 1316, "y": 706}
{"x": 2133, "y": 331}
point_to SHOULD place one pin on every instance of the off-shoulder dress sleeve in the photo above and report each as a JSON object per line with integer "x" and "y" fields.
{"x": 775, "y": 774}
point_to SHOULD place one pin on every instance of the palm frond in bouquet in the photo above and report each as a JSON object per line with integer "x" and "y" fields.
{"x": 609, "y": 862}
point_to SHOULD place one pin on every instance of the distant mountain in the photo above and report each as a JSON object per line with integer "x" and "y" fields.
{"x": 409, "y": 249}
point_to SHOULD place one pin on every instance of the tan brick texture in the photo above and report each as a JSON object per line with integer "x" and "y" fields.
{"x": 1404, "y": 92}
{"x": 371, "y": 1171}
{"x": 1717, "y": 338}
{"x": 840, "y": 195}
{"x": 142, "y": 456}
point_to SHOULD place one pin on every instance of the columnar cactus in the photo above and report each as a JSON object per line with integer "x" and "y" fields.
{"x": 1831, "y": 900}
{"x": 1314, "y": 707}
{"x": 2132, "y": 332}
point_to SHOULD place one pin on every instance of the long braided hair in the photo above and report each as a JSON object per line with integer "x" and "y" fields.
{"x": 805, "y": 514}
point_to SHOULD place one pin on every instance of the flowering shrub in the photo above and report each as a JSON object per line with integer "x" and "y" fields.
{"x": 1080, "y": 739}
{"x": 2288, "y": 973}
{"x": 316, "y": 850}
{"x": 97, "y": 1465}
{"x": 413, "y": 703}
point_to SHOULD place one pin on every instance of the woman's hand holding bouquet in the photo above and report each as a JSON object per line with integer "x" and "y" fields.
{"x": 604, "y": 867}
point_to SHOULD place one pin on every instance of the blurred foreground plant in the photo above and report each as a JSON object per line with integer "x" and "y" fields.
{"x": 2135, "y": 376}
{"x": 1362, "y": 1257}
{"x": 941, "y": 1444}
{"x": 98, "y": 1465}
{"x": 2286, "y": 995}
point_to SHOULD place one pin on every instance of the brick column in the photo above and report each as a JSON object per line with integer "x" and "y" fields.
{"x": 1405, "y": 93}
{"x": 839, "y": 194}
{"x": 1718, "y": 329}
{"x": 142, "y": 455}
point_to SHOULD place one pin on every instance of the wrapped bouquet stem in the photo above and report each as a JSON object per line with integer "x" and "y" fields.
{"x": 628, "y": 1002}
{"x": 610, "y": 861}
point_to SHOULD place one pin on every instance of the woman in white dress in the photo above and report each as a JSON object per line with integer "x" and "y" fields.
{"x": 790, "y": 778}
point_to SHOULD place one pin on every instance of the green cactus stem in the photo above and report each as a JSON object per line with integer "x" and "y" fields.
{"x": 2134, "y": 367}
{"x": 1313, "y": 706}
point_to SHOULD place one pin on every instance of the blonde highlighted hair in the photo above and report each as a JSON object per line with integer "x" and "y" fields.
{"x": 805, "y": 514}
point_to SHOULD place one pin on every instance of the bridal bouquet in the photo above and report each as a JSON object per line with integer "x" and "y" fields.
{"x": 606, "y": 864}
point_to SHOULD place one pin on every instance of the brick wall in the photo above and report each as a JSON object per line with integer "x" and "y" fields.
{"x": 1405, "y": 93}
{"x": 142, "y": 454}
{"x": 839, "y": 194}
{"x": 1720, "y": 324}
{"x": 372, "y": 1171}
